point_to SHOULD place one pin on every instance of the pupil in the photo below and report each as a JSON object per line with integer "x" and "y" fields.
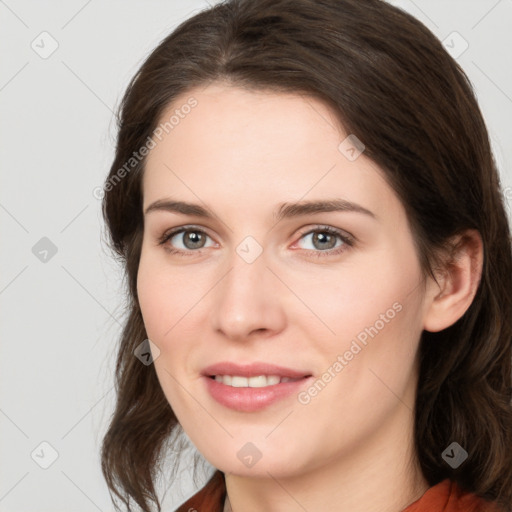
{"x": 194, "y": 235}
{"x": 323, "y": 237}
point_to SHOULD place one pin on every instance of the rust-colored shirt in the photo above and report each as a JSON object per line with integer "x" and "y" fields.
{"x": 446, "y": 496}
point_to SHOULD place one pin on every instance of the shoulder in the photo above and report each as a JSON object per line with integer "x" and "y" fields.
{"x": 208, "y": 499}
{"x": 448, "y": 496}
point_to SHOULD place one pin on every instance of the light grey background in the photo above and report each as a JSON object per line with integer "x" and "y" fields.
{"x": 60, "y": 318}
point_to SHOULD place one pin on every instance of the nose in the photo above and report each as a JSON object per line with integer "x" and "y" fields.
{"x": 248, "y": 300}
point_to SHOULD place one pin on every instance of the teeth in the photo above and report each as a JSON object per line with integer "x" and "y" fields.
{"x": 259, "y": 381}
{"x": 239, "y": 382}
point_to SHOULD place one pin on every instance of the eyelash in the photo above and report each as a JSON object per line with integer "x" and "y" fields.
{"x": 348, "y": 241}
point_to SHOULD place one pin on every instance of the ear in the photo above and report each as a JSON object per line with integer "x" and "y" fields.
{"x": 458, "y": 280}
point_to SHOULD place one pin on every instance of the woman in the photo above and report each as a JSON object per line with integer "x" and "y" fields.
{"x": 371, "y": 374}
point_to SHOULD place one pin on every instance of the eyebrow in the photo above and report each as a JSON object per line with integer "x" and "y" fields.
{"x": 284, "y": 211}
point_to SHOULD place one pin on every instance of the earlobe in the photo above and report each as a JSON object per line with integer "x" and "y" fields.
{"x": 447, "y": 301}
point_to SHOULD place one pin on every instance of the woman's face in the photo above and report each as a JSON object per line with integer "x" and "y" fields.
{"x": 260, "y": 281}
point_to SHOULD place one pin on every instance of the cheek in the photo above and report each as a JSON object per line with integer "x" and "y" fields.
{"x": 161, "y": 310}
{"x": 373, "y": 312}
{"x": 378, "y": 354}
{"x": 370, "y": 294}
{"x": 156, "y": 302}
{"x": 368, "y": 372}
{"x": 170, "y": 300}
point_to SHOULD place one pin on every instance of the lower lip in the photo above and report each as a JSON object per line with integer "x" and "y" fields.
{"x": 252, "y": 399}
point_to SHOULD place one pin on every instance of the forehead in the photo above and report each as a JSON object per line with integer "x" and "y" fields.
{"x": 249, "y": 145}
{"x": 239, "y": 119}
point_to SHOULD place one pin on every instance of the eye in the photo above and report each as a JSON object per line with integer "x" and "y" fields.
{"x": 192, "y": 241}
{"x": 324, "y": 239}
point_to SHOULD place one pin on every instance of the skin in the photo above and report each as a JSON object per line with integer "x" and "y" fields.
{"x": 242, "y": 154}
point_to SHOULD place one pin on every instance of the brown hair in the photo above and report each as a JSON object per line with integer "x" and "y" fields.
{"x": 392, "y": 84}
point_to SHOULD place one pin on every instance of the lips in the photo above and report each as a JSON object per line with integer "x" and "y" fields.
{"x": 244, "y": 398}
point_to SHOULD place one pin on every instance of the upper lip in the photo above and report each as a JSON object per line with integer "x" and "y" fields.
{"x": 253, "y": 370}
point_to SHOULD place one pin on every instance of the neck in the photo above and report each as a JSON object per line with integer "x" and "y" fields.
{"x": 380, "y": 475}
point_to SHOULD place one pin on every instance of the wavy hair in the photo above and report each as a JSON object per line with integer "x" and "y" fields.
{"x": 391, "y": 83}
